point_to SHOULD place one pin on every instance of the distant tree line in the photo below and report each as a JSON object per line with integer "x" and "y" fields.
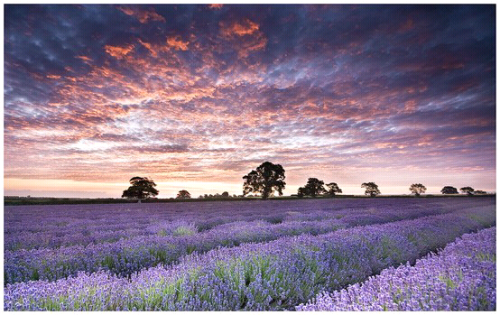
{"x": 224, "y": 195}
{"x": 269, "y": 178}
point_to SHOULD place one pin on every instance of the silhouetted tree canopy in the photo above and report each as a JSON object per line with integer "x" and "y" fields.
{"x": 417, "y": 189}
{"x": 467, "y": 190}
{"x": 333, "y": 189}
{"x": 301, "y": 192}
{"x": 480, "y": 192}
{"x": 371, "y": 189}
{"x": 313, "y": 188}
{"x": 183, "y": 194}
{"x": 141, "y": 188}
{"x": 265, "y": 180}
{"x": 225, "y": 194}
{"x": 449, "y": 190}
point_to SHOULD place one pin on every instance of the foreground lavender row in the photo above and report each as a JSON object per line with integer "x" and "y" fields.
{"x": 173, "y": 240}
{"x": 268, "y": 276}
{"x": 462, "y": 277}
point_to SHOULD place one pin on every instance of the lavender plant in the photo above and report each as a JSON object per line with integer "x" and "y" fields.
{"x": 275, "y": 275}
{"x": 165, "y": 243}
{"x": 462, "y": 277}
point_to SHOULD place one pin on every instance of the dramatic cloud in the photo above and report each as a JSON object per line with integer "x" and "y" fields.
{"x": 177, "y": 43}
{"x": 204, "y": 93}
{"x": 143, "y": 15}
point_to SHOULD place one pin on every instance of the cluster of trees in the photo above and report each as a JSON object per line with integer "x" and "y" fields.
{"x": 449, "y": 190}
{"x": 224, "y": 195}
{"x": 316, "y": 187}
{"x": 269, "y": 178}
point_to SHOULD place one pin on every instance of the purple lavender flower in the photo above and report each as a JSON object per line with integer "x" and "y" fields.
{"x": 462, "y": 277}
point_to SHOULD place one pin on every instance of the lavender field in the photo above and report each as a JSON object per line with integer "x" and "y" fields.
{"x": 252, "y": 255}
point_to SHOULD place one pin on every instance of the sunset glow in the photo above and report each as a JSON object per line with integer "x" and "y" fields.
{"x": 196, "y": 96}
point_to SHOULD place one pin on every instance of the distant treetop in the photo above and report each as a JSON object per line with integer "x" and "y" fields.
{"x": 449, "y": 190}
{"x": 183, "y": 194}
{"x": 417, "y": 189}
{"x": 467, "y": 190}
{"x": 313, "y": 188}
{"x": 333, "y": 189}
{"x": 371, "y": 189}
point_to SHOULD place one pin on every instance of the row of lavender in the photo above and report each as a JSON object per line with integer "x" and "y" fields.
{"x": 34, "y": 227}
{"x": 128, "y": 256}
{"x": 462, "y": 277}
{"x": 268, "y": 276}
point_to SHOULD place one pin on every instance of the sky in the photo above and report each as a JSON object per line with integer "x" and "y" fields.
{"x": 197, "y": 96}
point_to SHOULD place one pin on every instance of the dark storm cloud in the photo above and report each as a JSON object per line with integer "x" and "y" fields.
{"x": 224, "y": 86}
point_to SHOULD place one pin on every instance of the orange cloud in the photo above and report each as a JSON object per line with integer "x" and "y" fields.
{"x": 53, "y": 76}
{"x": 118, "y": 52}
{"x": 245, "y": 36}
{"x": 149, "y": 47}
{"x": 143, "y": 16}
{"x": 177, "y": 43}
{"x": 246, "y": 27}
{"x": 85, "y": 59}
{"x": 216, "y": 6}
{"x": 258, "y": 44}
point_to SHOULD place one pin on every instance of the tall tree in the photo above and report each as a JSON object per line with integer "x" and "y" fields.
{"x": 314, "y": 187}
{"x": 183, "y": 194}
{"x": 333, "y": 189}
{"x": 265, "y": 180}
{"x": 141, "y": 188}
{"x": 371, "y": 189}
{"x": 417, "y": 189}
{"x": 449, "y": 190}
{"x": 467, "y": 190}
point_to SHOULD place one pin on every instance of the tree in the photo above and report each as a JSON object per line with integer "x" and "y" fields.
{"x": 480, "y": 192}
{"x": 141, "y": 188}
{"x": 301, "y": 192}
{"x": 333, "y": 188}
{"x": 314, "y": 187}
{"x": 467, "y": 190}
{"x": 417, "y": 189}
{"x": 266, "y": 179}
{"x": 371, "y": 189}
{"x": 225, "y": 194}
{"x": 449, "y": 190}
{"x": 183, "y": 194}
